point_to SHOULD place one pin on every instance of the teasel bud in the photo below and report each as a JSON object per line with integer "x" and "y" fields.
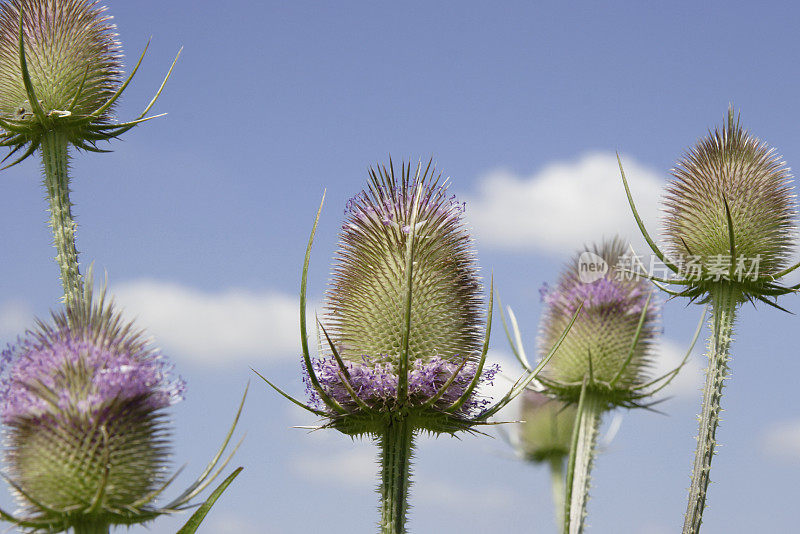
{"x": 545, "y": 433}
{"x": 60, "y": 77}
{"x": 404, "y": 347}
{"x": 730, "y": 229}
{"x": 84, "y": 404}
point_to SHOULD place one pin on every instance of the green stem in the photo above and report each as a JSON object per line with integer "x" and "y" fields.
{"x": 581, "y": 459}
{"x": 397, "y": 443}
{"x": 724, "y": 301}
{"x": 56, "y": 180}
{"x": 557, "y": 476}
{"x": 91, "y": 528}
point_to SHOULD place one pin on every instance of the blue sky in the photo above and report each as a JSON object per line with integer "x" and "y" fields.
{"x": 201, "y": 218}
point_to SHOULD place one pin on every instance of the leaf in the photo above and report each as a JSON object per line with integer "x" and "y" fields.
{"x": 200, "y": 514}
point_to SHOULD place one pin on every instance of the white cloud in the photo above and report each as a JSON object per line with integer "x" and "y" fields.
{"x": 687, "y": 384}
{"x": 564, "y": 205}
{"x": 15, "y": 317}
{"x": 782, "y": 441}
{"x": 214, "y": 328}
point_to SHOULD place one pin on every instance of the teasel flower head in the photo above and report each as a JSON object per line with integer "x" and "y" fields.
{"x": 404, "y": 332}
{"x": 611, "y": 345}
{"x": 404, "y": 347}
{"x": 60, "y": 71}
{"x": 84, "y": 402}
{"x": 545, "y": 433}
{"x": 730, "y": 219}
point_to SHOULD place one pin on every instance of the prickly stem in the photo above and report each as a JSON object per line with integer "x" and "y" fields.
{"x": 55, "y": 159}
{"x": 397, "y": 444}
{"x": 724, "y": 301}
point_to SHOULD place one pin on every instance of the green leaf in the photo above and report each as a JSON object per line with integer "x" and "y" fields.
{"x": 197, "y": 517}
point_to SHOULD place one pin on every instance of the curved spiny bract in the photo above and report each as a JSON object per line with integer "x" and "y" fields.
{"x": 730, "y": 214}
{"x": 611, "y": 343}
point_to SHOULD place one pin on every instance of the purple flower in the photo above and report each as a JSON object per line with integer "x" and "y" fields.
{"x": 375, "y": 383}
{"x": 81, "y": 374}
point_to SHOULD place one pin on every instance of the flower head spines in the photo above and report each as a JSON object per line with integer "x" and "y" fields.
{"x": 611, "y": 342}
{"x": 60, "y": 76}
{"x": 730, "y": 206}
{"x": 74, "y": 58}
{"x": 365, "y": 299}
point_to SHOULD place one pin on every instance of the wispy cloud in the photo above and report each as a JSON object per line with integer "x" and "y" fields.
{"x": 564, "y": 205}
{"x": 781, "y": 440}
{"x": 214, "y": 328}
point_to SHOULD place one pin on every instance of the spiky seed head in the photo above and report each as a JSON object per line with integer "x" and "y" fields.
{"x": 730, "y": 167}
{"x": 366, "y": 299}
{"x": 83, "y": 401}
{"x": 546, "y": 431}
{"x": 65, "y": 41}
{"x": 598, "y": 346}
{"x": 74, "y": 62}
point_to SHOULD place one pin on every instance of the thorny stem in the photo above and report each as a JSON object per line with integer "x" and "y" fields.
{"x": 397, "y": 443}
{"x": 56, "y": 180}
{"x": 581, "y": 460}
{"x": 723, "y": 314}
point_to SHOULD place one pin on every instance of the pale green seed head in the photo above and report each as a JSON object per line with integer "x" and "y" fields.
{"x": 598, "y": 346}
{"x": 67, "y": 42}
{"x": 729, "y": 166}
{"x": 63, "y": 463}
{"x": 365, "y": 301}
